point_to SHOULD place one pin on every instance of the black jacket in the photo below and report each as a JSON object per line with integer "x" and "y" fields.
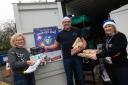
{"x": 115, "y": 47}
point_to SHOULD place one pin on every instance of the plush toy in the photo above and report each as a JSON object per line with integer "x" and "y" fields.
{"x": 33, "y": 67}
{"x": 77, "y": 46}
{"x": 87, "y": 53}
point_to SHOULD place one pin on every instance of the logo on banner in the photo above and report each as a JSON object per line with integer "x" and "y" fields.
{"x": 46, "y": 36}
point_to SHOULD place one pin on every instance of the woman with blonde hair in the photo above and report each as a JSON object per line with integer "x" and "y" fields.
{"x": 19, "y": 60}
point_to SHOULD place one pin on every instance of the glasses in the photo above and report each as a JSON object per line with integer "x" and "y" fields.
{"x": 20, "y": 40}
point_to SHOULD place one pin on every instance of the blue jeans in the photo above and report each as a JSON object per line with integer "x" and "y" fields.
{"x": 24, "y": 79}
{"x": 73, "y": 67}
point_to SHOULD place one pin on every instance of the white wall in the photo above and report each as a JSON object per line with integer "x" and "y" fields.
{"x": 36, "y": 15}
{"x": 121, "y": 18}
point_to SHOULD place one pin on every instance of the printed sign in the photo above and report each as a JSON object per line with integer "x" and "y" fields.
{"x": 46, "y": 36}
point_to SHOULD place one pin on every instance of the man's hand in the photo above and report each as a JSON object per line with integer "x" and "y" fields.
{"x": 46, "y": 48}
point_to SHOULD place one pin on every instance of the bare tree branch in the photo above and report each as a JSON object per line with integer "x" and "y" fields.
{"x": 7, "y": 29}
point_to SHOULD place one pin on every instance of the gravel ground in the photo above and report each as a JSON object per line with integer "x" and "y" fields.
{"x": 3, "y": 78}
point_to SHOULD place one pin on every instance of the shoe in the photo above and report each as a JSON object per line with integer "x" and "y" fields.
{"x": 105, "y": 76}
{"x": 30, "y": 69}
{"x": 76, "y": 41}
{"x": 33, "y": 67}
{"x": 108, "y": 60}
{"x": 37, "y": 63}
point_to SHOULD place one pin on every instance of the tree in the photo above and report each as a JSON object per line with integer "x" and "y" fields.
{"x": 7, "y": 29}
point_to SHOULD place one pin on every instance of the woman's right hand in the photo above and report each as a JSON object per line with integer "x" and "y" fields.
{"x": 30, "y": 62}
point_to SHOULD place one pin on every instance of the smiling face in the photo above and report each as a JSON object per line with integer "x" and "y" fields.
{"x": 67, "y": 24}
{"x": 20, "y": 42}
{"x": 109, "y": 29}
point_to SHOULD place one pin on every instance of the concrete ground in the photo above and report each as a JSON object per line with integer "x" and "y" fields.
{"x": 88, "y": 78}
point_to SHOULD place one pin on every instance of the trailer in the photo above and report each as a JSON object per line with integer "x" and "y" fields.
{"x": 35, "y": 15}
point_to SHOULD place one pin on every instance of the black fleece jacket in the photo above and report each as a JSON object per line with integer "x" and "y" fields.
{"x": 115, "y": 47}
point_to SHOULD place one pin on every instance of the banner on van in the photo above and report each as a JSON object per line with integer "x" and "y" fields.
{"x": 46, "y": 36}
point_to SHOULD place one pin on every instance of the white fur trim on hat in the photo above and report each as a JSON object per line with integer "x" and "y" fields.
{"x": 66, "y": 18}
{"x": 109, "y": 22}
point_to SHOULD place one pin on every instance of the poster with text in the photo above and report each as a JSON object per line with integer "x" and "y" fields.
{"x": 46, "y": 36}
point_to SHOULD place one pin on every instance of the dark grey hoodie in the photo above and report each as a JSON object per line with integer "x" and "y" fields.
{"x": 18, "y": 59}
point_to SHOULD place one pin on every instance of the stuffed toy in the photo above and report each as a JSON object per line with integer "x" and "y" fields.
{"x": 77, "y": 46}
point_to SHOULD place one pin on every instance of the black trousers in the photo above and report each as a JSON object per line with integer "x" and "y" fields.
{"x": 118, "y": 75}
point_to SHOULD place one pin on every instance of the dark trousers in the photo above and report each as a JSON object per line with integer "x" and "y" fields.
{"x": 27, "y": 79}
{"x": 118, "y": 75}
{"x": 73, "y": 67}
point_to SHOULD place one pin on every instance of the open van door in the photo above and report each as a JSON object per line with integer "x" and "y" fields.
{"x": 97, "y": 10}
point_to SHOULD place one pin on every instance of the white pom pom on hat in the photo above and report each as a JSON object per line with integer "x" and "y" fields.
{"x": 110, "y": 21}
{"x": 66, "y": 18}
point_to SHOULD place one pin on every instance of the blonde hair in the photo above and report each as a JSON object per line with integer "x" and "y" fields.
{"x": 115, "y": 29}
{"x": 14, "y": 37}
